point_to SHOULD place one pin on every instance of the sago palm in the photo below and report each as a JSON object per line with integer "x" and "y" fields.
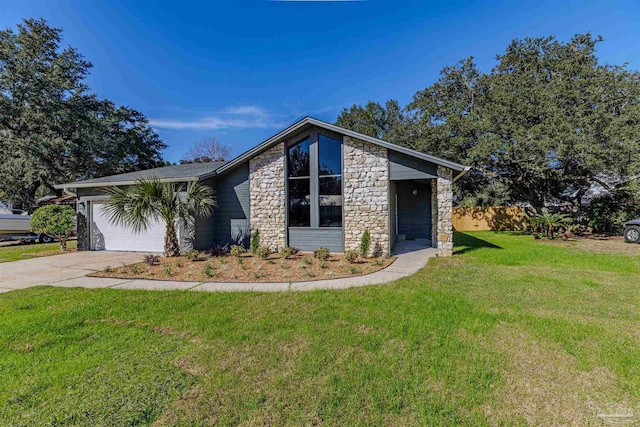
{"x": 550, "y": 221}
{"x": 136, "y": 206}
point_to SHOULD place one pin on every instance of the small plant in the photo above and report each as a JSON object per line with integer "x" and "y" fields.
{"x": 241, "y": 262}
{"x": 208, "y": 270}
{"x": 136, "y": 269}
{"x": 351, "y": 255}
{"x": 309, "y": 274}
{"x": 151, "y": 259}
{"x": 237, "y": 250}
{"x": 323, "y": 264}
{"x": 547, "y": 223}
{"x": 287, "y": 252}
{"x": 193, "y": 255}
{"x": 108, "y": 269}
{"x": 322, "y": 254}
{"x": 179, "y": 264}
{"x": 378, "y": 263}
{"x": 219, "y": 250}
{"x": 167, "y": 270}
{"x": 353, "y": 270}
{"x": 365, "y": 243}
{"x": 377, "y": 250}
{"x": 255, "y": 242}
{"x": 263, "y": 252}
{"x": 222, "y": 260}
{"x": 270, "y": 262}
{"x": 305, "y": 262}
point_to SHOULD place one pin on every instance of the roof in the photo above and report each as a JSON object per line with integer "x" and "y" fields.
{"x": 308, "y": 122}
{"x": 199, "y": 171}
{"x": 177, "y": 173}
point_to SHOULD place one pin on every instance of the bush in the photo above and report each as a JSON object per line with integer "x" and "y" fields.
{"x": 351, "y": 255}
{"x": 192, "y": 255}
{"x": 151, "y": 259}
{"x": 377, "y": 250}
{"x": 365, "y": 243}
{"x": 287, "y": 252}
{"x": 607, "y": 214}
{"x": 219, "y": 250}
{"x": 263, "y": 252}
{"x": 56, "y": 221}
{"x": 322, "y": 254}
{"x": 237, "y": 250}
{"x": 255, "y": 242}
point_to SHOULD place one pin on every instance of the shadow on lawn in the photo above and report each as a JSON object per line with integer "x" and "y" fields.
{"x": 466, "y": 243}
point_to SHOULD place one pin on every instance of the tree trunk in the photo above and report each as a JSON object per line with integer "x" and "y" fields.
{"x": 63, "y": 244}
{"x": 171, "y": 244}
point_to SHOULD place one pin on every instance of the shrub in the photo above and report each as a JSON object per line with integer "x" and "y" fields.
{"x": 287, "y": 252}
{"x": 167, "y": 270}
{"x": 263, "y": 252}
{"x": 377, "y": 250}
{"x": 365, "y": 243}
{"x": 237, "y": 250}
{"x": 322, "y": 254}
{"x": 255, "y": 242}
{"x": 351, "y": 255}
{"x": 208, "y": 270}
{"x": 219, "y": 250}
{"x": 193, "y": 255}
{"x": 54, "y": 220}
{"x": 607, "y": 214}
{"x": 151, "y": 259}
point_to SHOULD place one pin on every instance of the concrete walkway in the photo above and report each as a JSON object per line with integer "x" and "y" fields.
{"x": 411, "y": 256}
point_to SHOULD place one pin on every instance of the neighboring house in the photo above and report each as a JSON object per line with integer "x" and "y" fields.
{"x": 311, "y": 185}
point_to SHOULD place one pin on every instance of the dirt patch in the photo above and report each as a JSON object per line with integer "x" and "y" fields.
{"x": 601, "y": 244}
{"x": 248, "y": 268}
{"x": 544, "y": 386}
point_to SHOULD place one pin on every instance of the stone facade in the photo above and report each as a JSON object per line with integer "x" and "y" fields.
{"x": 267, "y": 196}
{"x": 444, "y": 198}
{"x": 366, "y": 194}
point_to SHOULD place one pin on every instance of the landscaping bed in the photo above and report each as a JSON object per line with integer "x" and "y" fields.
{"x": 247, "y": 267}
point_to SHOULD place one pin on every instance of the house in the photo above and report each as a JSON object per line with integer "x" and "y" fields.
{"x": 311, "y": 185}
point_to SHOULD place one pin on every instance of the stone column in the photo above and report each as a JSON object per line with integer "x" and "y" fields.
{"x": 445, "y": 210}
{"x": 267, "y": 198}
{"x": 366, "y": 194}
{"x": 434, "y": 213}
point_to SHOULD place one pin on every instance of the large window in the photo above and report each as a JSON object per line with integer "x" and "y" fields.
{"x": 315, "y": 182}
{"x": 330, "y": 182}
{"x": 298, "y": 158}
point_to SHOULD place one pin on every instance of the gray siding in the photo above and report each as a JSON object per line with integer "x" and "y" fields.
{"x": 310, "y": 239}
{"x": 203, "y": 233}
{"x": 414, "y": 211}
{"x": 402, "y": 166}
{"x": 231, "y": 217}
{"x": 392, "y": 214}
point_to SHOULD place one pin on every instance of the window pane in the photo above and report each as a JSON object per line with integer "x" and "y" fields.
{"x": 330, "y": 155}
{"x": 299, "y": 203}
{"x": 330, "y": 201}
{"x": 299, "y": 159}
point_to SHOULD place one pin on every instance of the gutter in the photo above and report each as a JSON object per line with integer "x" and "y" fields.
{"x": 81, "y": 184}
{"x": 461, "y": 174}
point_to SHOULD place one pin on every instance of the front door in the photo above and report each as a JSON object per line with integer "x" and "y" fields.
{"x": 414, "y": 209}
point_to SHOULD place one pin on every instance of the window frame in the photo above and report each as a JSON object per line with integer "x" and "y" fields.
{"x": 314, "y": 178}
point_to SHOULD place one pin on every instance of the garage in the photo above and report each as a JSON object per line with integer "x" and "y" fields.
{"x": 110, "y": 237}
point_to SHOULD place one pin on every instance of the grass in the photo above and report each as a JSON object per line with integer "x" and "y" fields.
{"x": 511, "y": 331}
{"x": 31, "y": 250}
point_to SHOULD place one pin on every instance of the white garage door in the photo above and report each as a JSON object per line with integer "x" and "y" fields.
{"x": 106, "y": 236}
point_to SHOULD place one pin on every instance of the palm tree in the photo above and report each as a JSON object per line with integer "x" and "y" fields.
{"x": 150, "y": 199}
{"x": 549, "y": 221}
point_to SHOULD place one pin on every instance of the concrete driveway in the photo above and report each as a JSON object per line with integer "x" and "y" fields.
{"x": 57, "y": 268}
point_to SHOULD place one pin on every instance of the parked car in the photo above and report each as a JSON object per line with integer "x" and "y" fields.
{"x": 632, "y": 232}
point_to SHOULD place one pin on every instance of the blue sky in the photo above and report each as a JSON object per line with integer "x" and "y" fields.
{"x": 242, "y": 70}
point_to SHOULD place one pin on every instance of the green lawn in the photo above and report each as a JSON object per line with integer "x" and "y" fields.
{"x": 511, "y": 331}
{"x": 31, "y": 250}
